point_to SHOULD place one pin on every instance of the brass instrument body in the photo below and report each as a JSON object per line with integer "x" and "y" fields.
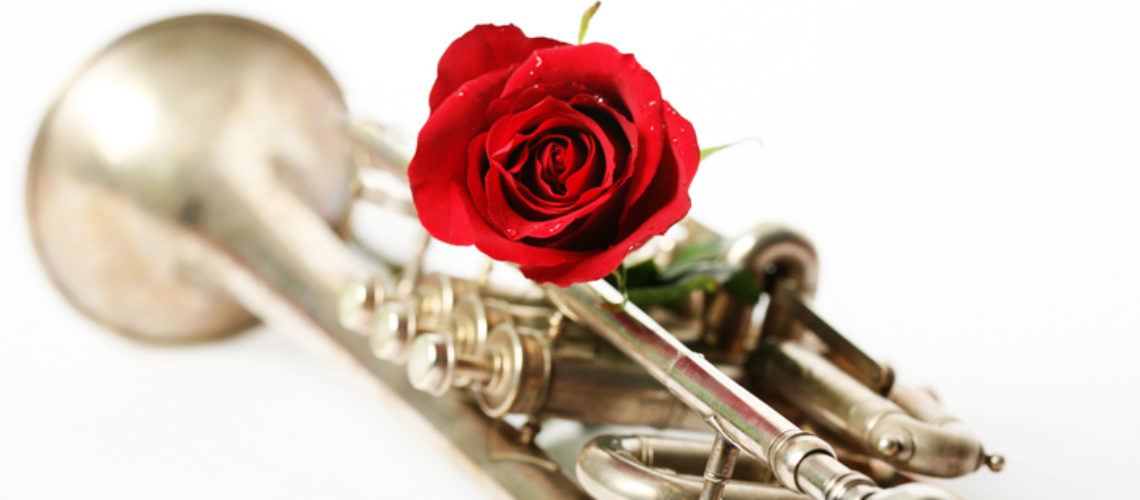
{"x": 164, "y": 243}
{"x": 198, "y": 173}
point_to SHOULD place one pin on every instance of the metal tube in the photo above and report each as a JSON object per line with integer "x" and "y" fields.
{"x": 277, "y": 272}
{"x": 718, "y": 470}
{"x": 602, "y": 391}
{"x": 623, "y": 467}
{"x": 736, "y": 413}
{"x": 232, "y": 204}
{"x": 939, "y": 446}
{"x": 753, "y": 425}
{"x": 800, "y": 461}
{"x": 232, "y": 193}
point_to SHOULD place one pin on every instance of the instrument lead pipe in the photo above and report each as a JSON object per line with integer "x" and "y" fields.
{"x": 799, "y": 460}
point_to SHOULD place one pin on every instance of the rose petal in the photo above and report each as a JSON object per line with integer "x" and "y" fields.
{"x": 549, "y": 164}
{"x": 618, "y": 79}
{"x": 516, "y": 225}
{"x": 592, "y": 267}
{"x": 566, "y": 190}
{"x": 507, "y": 132}
{"x": 545, "y": 118}
{"x": 484, "y": 49}
{"x": 524, "y": 254}
{"x": 682, "y": 142}
{"x": 655, "y": 213}
{"x": 522, "y": 99}
{"x": 624, "y": 137}
{"x": 611, "y": 129}
{"x": 477, "y": 165}
{"x": 438, "y": 171}
{"x": 667, "y": 201}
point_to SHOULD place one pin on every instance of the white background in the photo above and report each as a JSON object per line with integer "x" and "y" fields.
{"x": 970, "y": 172}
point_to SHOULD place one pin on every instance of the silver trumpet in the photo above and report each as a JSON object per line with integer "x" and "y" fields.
{"x": 199, "y": 173}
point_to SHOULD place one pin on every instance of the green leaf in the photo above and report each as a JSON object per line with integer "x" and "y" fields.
{"x": 707, "y": 152}
{"x": 642, "y": 274}
{"x": 743, "y": 286}
{"x": 675, "y": 282}
{"x": 691, "y": 256}
{"x": 672, "y": 293}
{"x": 586, "y": 16}
{"x": 695, "y": 266}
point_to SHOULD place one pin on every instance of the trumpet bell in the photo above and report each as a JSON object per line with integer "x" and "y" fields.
{"x": 150, "y": 129}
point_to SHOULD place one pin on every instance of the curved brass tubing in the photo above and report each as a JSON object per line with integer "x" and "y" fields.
{"x": 638, "y": 466}
{"x": 910, "y": 430}
{"x": 620, "y": 467}
{"x": 771, "y": 253}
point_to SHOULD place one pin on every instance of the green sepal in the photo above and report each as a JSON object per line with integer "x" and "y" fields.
{"x": 586, "y": 17}
{"x": 691, "y": 258}
{"x": 696, "y": 266}
{"x": 666, "y": 294}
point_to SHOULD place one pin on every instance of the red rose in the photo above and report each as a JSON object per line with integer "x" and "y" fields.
{"x": 560, "y": 158}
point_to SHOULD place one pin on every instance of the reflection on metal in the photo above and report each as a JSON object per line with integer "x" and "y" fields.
{"x": 620, "y": 467}
{"x": 229, "y": 212}
{"x": 926, "y": 442}
{"x": 198, "y": 172}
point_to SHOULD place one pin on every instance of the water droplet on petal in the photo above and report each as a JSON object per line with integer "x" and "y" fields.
{"x": 674, "y": 140}
{"x": 600, "y": 99}
{"x": 532, "y": 74}
{"x": 652, "y": 128}
{"x": 460, "y": 93}
{"x": 652, "y": 103}
{"x": 538, "y": 61}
